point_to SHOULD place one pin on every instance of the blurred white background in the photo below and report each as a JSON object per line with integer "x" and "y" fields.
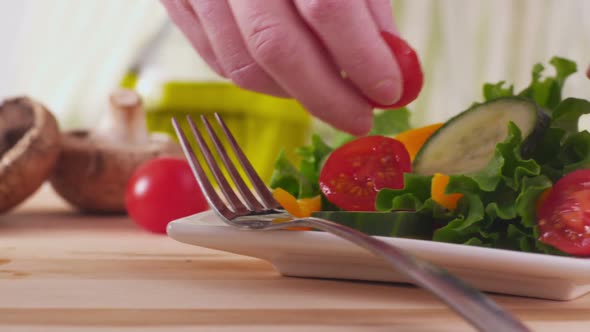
{"x": 71, "y": 53}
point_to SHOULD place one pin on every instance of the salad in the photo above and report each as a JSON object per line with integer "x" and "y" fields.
{"x": 511, "y": 172}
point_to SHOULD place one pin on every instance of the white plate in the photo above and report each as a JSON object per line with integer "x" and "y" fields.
{"x": 322, "y": 255}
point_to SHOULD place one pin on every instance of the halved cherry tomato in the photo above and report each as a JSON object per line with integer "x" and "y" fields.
{"x": 409, "y": 65}
{"x": 353, "y": 174}
{"x": 161, "y": 190}
{"x": 564, "y": 215}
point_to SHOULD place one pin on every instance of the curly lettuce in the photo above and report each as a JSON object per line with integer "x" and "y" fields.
{"x": 498, "y": 205}
{"x": 497, "y": 208}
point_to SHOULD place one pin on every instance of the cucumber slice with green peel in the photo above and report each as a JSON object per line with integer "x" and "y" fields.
{"x": 467, "y": 142}
{"x": 406, "y": 224}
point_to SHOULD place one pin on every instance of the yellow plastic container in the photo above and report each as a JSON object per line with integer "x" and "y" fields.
{"x": 262, "y": 125}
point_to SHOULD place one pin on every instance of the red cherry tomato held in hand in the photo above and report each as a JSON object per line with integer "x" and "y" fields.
{"x": 564, "y": 215}
{"x": 161, "y": 190}
{"x": 353, "y": 174}
{"x": 411, "y": 70}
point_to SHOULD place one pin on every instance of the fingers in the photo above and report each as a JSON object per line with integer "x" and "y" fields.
{"x": 286, "y": 49}
{"x": 185, "y": 18}
{"x": 382, "y": 13}
{"x": 298, "y": 48}
{"x": 230, "y": 50}
{"x": 351, "y": 36}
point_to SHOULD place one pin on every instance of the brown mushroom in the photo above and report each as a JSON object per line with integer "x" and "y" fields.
{"x": 95, "y": 166}
{"x": 29, "y": 147}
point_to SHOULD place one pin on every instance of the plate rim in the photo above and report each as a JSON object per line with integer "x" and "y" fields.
{"x": 496, "y": 256}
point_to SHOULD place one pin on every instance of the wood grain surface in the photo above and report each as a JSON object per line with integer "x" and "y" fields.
{"x": 62, "y": 271}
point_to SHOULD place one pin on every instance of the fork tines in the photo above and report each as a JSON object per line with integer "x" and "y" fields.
{"x": 248, "y": 202}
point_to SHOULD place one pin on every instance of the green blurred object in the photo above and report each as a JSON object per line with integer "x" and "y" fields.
{"x": 129, "y": 80}
{"x": 263, "y": 125}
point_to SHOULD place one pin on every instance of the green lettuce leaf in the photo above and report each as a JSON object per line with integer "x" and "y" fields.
{"x": 289, "y": 178}
{"x": 567, "y": 114}
{"x": 413, "y": 196}
{"x": 575, "y": 152}
{"x": 493, "y": 91}
{"x": 506, "y": 163}
{"x": 385, "y": 123}
{"x": 549, "y": 147}
{"x": 515, "y": 168}
{"x": 301, "y": 182}
{"x": 312, "y": 159}
{"x": 546, "y": 92}
{"x": 527, "y": 197}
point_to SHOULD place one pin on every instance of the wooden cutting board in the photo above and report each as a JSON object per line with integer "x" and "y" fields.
{"x": 61, "y": 271}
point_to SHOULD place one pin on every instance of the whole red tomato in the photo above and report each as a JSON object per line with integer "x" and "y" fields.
{"x": 162, "y": 190}
{"x": 409, "y": 65}
{"x": 353, "y": 174}
{"x": 564, "y": 214}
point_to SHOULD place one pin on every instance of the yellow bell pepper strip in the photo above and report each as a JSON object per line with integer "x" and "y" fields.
{"x": 307, "y": 206}
{"x": 437, "y": 191}
{"x": 299, "y": 208}
{"x": 287, "y": 201}
{"x": 413, "y": 139}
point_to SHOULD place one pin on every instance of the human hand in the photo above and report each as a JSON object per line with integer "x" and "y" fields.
{"x": 298, "y": 49}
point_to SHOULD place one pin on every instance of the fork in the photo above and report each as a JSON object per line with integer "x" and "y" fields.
{"x": 261, "y": 214}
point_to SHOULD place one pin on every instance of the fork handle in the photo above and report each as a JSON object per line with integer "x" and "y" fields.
{"x": 479, "y": 310}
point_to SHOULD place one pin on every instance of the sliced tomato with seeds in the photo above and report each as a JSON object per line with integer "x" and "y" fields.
{"x": 354, "y": 173}
{"x": 564, "y": 214}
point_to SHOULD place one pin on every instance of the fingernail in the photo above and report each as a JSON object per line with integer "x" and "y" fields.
{"x": 387, "y": 92}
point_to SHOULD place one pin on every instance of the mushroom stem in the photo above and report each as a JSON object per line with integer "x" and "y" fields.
{"x": 125, "y": 122}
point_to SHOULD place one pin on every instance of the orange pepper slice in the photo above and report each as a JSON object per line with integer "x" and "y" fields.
{"x": 437, "y": 191}
{"x": 299, "y": 208}
{"x": 307, "y": 206}
{"x": 287, "y": 201}
{"x": 413, "y": 139}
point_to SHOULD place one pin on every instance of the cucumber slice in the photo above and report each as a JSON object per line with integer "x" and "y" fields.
{"x": 407, "y": 224}
{"x": 467, "y": 142}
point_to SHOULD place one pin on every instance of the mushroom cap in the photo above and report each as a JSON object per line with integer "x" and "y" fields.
{"x": 29, "y": 147}
{"x": 92, "y": 172}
